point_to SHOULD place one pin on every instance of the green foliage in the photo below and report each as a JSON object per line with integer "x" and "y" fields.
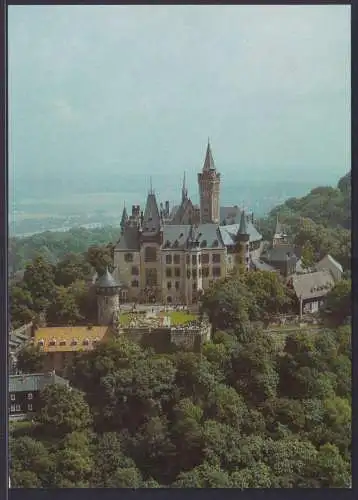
{"x": 63, "y": 410}
{"x": 338, "y": 303}
{"x": 30, "y": 359}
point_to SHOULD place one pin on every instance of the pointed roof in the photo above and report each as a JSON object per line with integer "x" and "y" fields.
{"x": 184, "y": 191}
{"x": 124, "y": 217}
{"x": 151, "y": 218}
{"x": 106, "y": 281}
{"x": 243, "y": 224}
{"x": 209, "y": 161}
{"x": 278, "y": 229}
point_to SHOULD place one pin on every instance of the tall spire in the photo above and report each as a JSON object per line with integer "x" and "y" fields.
{"x": 243, "y": 226}
{"x": 184, "y": 191}
{"x": 124, "y": 218}
{"x": 151, "y": 186}
{"x": 209, "y": 161}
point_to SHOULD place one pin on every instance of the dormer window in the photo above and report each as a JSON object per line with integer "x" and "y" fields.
{"x": 215, "y": 243}
{"x": 52, "y": 342}
{"x": 74, "y": 342}
{"x": 204, "y": 243}
{"x": 41, "y": 342}
{"x": 62, "y": 342}
{"x": 181, "y": 235}
{"x": 85, "y": 342}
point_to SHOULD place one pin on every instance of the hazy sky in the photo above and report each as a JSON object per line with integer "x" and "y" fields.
{"x": 124, "y": 89}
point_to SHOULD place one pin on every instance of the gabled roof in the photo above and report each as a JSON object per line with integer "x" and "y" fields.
{"x": 179, "y": 214}
{"x": 180, "y": 236}
{"x": 312, "y": 285}
{"x": 280, "y": 253}
{"x": 261, "y": 266}
{"x": 331, "y": 260}
{"x": 151, "y": 219}
{"x": 124, "y": 217}
{"x": 209, "y": 160}
{"x": 228, "y": 233}
{"x": 33, "y": 382}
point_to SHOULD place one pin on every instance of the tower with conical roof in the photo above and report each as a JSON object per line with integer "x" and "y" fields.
{"x": 209, "y": 190}
{"x": 242, "y": 245}
{"x": 107, "y": 291}
{"x": 124, "y": 219}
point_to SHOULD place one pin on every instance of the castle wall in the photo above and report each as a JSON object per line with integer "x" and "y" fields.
{"x": 123, "y": 271}
{"x": 106, "y": 306}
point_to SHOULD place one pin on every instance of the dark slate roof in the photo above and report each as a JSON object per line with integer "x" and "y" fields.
{"x": 243, "y": 224}
{"x": 107, "y": 281}
{"x": 209, "y": 161}
{"x": 34, "y": 382}
{"x": 179, "y": 236}
{"x": 261, "y": 266}
{"x": 129, "y": 240}
{"x": 151, "y": 219}
{"x": 178, "y": 216}
{"x": 280, "y": 253}
{"x": 228, "y": 233}
{"x": 312, "y": 285}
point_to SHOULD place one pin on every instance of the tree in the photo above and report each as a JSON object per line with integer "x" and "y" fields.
{"x": 39, "y": 280}
{"x": 31, "y": 463}
{"x": 333, "y": 471}
{"x": 226, "y": 304}
{"x": 100, "y": 258}
{"x": 64, "y": 310}
{"x": 338, "y": 303}
{"x": 203, "y": 476}
{"x": 307, "y": 256}
{"x": 30, "y": 359}
{"x": 71, "y": 268}
{"x": 259, "y": 475}
{"x": 21, "y": 305}
{"x": 63, "y": 410}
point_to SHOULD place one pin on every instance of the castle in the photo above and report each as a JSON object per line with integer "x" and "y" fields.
{"x": 172, "y": 256}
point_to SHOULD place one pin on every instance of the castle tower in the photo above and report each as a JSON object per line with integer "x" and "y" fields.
{"x": 124, "y": 219}
{"x": 279, "y": 235}
{"x": 242, "y": 246}
{"x": 209, "y": 190}
{"x": 184, "y": 190}
{"x": 107, "y": 290}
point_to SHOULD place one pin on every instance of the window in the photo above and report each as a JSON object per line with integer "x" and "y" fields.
{"x": 188, "y": 259}
{"x": 216, "y": 258}
{"x": 194, "y": 286}
{"x": 206, "y": 272}
{"x": 168, "y": 259}
{"x": 135, "y": 283}
{"x": 194, "y": 273}
{"x": 177, "y": 285}
{"x": 12, "y": 408}
{"x": 135, "y": 270}
{"x": 29, "y": 396}
{"x": 12, "y": 397}
{"x": 188, "y": 274}
{"x": 169, "y": 285}
{"x": 200, "y": 273}
{"x": 193, "y": 259}
{"x": 211, "y": 283}
{"x": 17, "y": 408}
{"x": 205, "y": 258}
{"x": 177, "y": 272}
{"x": 150, "y": 254}
{"x": 151, "y": 277}
{"x": 176, "y": 259}
{"x": 29, "y": 407}
{"x": 168, "y": 272}
{"x": 199, "y": 258}
{"x": 128, "y": 257}
{"x": 169, "y": 299}
{"x": 216, "y": 272}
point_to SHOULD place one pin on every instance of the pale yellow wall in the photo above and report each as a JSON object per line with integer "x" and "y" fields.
{"x": 123, "y": 271}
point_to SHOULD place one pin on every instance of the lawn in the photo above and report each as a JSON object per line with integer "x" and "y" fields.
{"x": 176, "y": 317}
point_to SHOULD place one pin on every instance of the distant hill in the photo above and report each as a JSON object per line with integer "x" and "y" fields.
{"x": 55, "y": 245}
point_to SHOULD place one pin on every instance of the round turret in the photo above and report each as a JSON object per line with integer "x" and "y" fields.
{"x": 107, "y": 290}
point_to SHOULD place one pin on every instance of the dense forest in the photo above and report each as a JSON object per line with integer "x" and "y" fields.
{"x": 252, "y": 409}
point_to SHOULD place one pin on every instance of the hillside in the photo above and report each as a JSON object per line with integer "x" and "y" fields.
{"x": 322, "y": 217}
{"x": 55, "y": 245}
